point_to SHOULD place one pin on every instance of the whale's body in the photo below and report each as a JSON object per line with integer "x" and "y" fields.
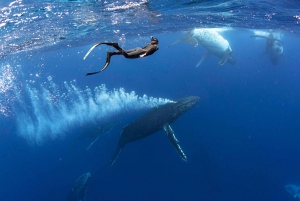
{"x": 157, "y": 119}
{"x": 293, "y": 190}
{"x": 212, "y": 41}
{"x": 274, "y": 48}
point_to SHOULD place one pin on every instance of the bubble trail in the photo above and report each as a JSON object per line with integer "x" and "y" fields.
{"x": 8, "y": 87}
{"x": 51, "y": 111}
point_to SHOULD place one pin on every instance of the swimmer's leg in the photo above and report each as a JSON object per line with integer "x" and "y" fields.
{"x": 114, "y": 44}
{"x": 108, "y": 55}
{"x": 134, "y": 53}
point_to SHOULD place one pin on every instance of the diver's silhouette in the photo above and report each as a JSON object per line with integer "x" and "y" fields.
{"x": 130, "y": 54}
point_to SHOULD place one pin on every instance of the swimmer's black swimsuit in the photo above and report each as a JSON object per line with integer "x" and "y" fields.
{"x": 130, "y": 54}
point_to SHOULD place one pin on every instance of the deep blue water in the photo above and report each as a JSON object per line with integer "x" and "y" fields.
{"x": 241, "y": 139}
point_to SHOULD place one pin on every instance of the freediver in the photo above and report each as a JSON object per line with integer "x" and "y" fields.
{"x": 130, "y": 54}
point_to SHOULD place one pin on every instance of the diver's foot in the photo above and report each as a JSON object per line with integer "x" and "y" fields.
{"x": 93, "y": 73}
{"x": 114, "y": 44}
{"x": 110, "y": 43}
{"x": 108, "y": 55}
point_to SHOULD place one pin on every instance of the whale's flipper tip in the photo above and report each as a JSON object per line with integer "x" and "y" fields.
{"x": 205, "y": 56}
{"x": 175, "y": 42}
{"x": 115, "y": 155}
{"x": 223, "y": 61}
{"x": 174, "y": 141}
{"x": 190, "y": 40}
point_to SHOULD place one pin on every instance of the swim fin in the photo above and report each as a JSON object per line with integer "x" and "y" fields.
{"x": 92, "y": 48}
{"x": 92, "y": 73}
{"x": 105, "y": 66}
{"x": 109, "y": 54}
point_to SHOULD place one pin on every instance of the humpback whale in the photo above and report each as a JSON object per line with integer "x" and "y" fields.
{"x": 293, "y": 190}
{"x": 95, "y": 133}
{"x": 212, "y": 41}
{"x": 274, "y": 48}
{"x": 77, "y": 192}
{"x": 157, "y": 119}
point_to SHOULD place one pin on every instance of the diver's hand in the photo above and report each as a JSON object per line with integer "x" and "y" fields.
{"x": 142, "y": 55}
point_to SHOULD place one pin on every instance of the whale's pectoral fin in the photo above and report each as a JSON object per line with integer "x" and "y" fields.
{"x": 268, "y": 38}
{"x": 205, "y": 56}
{"x": 115, "y": 155}
{"x": 175, "y": 42}
{"x": 92, "y": 143}
{"x": 224, "y": 59}
{"x": 174, "y": 141}
{"x": 188, "y": 39}
{"x": 275, "y": 39}
{"x": 258, "y": 36}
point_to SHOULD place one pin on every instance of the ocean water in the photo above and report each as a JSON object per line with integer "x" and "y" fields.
{"x": 241, "y": 140}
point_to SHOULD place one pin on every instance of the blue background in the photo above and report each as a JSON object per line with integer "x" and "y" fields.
{"x": 241, "y": 139}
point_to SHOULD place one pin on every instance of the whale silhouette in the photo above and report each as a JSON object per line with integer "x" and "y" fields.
{"x": 293, "y": 190}
{"x": 77, "y": 193}
{"x": 274, "y": 48}
{"x": 159, "y": 118}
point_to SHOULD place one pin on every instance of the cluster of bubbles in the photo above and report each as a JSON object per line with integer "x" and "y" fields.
{"x": 51, "y": 110}
{"x": 9, "y": 88}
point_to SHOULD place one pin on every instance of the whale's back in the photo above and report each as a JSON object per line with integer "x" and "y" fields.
{"x": 212, "y": 41}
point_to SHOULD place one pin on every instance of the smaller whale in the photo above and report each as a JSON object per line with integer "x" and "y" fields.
{"x": 157, "y": 119}
{"x": 274, "y": 48}
{"x": 78, "y": 190}
{"x": 293, "y": 190}
{"x": 212, "y": 41}
{"x": 95, "y": 133}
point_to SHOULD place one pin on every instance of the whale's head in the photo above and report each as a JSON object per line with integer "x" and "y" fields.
{"x": 184, "y": 104}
